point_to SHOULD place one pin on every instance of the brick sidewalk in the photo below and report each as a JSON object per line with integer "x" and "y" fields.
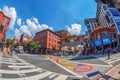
{"x": 112, "y": 74}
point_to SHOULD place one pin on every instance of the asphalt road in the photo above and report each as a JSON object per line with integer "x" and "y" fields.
{"x": 32, "y": 67}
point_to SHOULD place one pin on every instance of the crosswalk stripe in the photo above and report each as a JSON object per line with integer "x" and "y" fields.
{"x": 20, "y": 71}
{"x": 113, "y": 58}
{"x": 61, "y": 77}
{"x": 53, "y": 75}
{"x": 21, "y": 66}
{"x": 12, "y": 62}
{"x": 114, "y": 61}
{"x": 39, "y": 76}
{"x": 8, "y": 60}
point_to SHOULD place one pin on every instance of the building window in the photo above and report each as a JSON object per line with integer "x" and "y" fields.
{"x": 99, "y": 37}
{"x": 107, "y": 18}
{"x": 88, "y": 26}
{"x": 108, "y": 14}
{"x": 105, "y": 8}
{"x": 89, "y": 31}
{"x": 1, "y": 29}
{"x": 49, "y": 39}
{"x": 4, "y": 22}
{"x": 104, "y": 34}
{"x": 87, "y": 22}
{"x": 111, "y": 20}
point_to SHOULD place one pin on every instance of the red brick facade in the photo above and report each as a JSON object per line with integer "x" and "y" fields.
{"x": 15, "y": 40}
{"x": 48, "y": 39}
{"x": 63, "y": 33}
{"x": 4, "y": 22}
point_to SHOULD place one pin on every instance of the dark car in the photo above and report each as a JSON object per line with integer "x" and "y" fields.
{"x": 117, "y": 49}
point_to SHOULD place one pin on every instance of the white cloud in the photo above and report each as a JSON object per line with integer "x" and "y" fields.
{"x": 19, "y": 21}
{"x": 10, "y": 12}
{"x": 35, "y": 20}
{"x": 74, "y": 29}
{"x": 30, "y": 27}
{"x": 17, "y": 33}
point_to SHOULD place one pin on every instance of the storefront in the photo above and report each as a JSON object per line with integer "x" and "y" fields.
{"x": 102, "y": 38}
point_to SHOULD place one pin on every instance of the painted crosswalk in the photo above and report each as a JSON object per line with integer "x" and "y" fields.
{"x": 113, "y": 58}
{"x": 14, "y": 68}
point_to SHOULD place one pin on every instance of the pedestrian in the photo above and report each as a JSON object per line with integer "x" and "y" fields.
{"x": 11, "y": 50}
{"x": 4, "y": 50}
{"x": 8, "y": 50}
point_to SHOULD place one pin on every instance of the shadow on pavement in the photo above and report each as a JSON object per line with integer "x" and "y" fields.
{"x": 87, "y": 57}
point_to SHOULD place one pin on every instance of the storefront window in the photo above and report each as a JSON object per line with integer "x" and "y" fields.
{"x": 99, "y": 37}
{"x": 105, "y": 7}
{"x": 104, "y": 34}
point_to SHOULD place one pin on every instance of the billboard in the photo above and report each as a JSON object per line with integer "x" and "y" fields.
{"x": 106, "y": 41}
{"x": 116, "y": 16}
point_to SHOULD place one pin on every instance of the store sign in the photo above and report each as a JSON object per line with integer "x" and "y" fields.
{"x": 106, "y": 41}
{"x": 116, "y": 16}
{"x": 98, "y": 42}
{"x": 114, "y": 12}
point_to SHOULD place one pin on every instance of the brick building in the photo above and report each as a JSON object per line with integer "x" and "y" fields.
{"x": 25, "y": 38}
{"x": 15, "y": 40}
{"x": 4, "y": 23}
{"x": 72, "y": 43}
{"x": 49, "y": 41}
{"x": 63, "y": 33}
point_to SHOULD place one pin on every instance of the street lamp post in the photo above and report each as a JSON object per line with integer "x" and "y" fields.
{"x": 40, "y": 49}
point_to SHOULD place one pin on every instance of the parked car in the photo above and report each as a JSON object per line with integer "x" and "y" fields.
{"x": 19, "y": 49}
{"x": 117, "y": 49}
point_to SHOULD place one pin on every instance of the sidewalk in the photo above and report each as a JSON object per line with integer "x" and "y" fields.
{"x": 112, "y": 74}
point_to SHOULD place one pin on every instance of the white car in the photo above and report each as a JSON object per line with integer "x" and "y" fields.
{"x": 20, "y": 49}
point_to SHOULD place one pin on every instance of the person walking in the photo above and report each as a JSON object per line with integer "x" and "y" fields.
{"x": 11, "y": 50}
{"x": 4, "y": 50}
{"x": 8, "y": 50}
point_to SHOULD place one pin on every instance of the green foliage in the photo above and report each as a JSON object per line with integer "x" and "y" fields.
{"x": 76, "y": 51}
{"x": 8, "y": 42}
{"x": 24, "y": 44}
{"x": 34, "y": 45}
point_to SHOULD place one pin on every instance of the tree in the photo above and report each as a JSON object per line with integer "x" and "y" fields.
{"x": 35, "y": 46}
{"x": 24, "y": 44}
{"x": 8, "y": 42}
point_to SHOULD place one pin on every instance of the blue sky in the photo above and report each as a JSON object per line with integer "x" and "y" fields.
{"x": 53, "y": 14}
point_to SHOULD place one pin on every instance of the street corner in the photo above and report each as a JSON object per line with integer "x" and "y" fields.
{"x": 82, "y": 69}
{"x": 74, "y": 67}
